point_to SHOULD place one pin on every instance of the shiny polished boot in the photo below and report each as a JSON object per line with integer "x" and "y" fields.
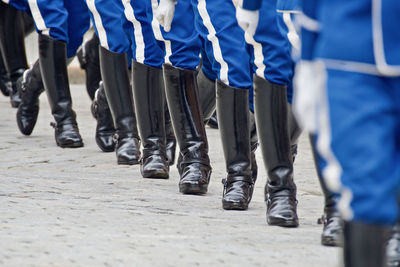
{"x": 364, "y": 244}
{"x": 30, "y": 87}
{"x": 294, "y": 131}
{"x": 393, "y": 248}
{"x": 187, "y": 119}
{"x": 213, "y": 121}
{"x": 233, "y": 115}
{"x": 53, "y": 67}
{"x": 148, "y": 93}
{"x": 253, "y": 148}
{"x": 5, "y": 85}
{"x": 272, "y": 127}
{"x": 332, "y": 231}
{"x": 207, "y": 95}
{"x": 105, "y": 126}
{"x": 13, "y": 47}
{"x": 170, "y": 137}
{"x": 114, "y": 70}
{"x": 88, "y": 56}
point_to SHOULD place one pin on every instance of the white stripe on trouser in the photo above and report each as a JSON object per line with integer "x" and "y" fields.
{"x": 99, "y": 24}
{"x": 157, "y": 32}
{"x": 137, "y": 27}
{"x": 223, "y": 72}
{"x": 37, "y": 17}
{"x": 258, "y": 55}
{"x": 292, "y": 34}
{"x": 333, "y": 171}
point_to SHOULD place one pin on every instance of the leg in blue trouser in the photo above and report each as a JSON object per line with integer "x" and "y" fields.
{"x": 12, "y": 48}
{"x": 332, "y": 230}
{"x": 224, "y": 46}
{"x": 182, "y": 48}
{"x": 276, "y": 127}
{"x": 61, "y": 26}
{"x": 359, "y": 139}
{"x": 112, "y": 29}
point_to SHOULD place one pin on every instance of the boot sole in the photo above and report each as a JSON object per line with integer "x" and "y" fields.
{"x": 158, "y": 174}
{"x": 330, "y": 242}
{"x": 282, "y": 223}
{"x": 234, "y": 206}
{"x": 128, "y": 162}
{"x": 72, "y": 145}
{"x": 193, "y": 189}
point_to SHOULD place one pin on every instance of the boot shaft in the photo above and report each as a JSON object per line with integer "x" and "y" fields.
{"x": 364, "y": 244}
{"x": 53, "y": 67}
{"x": 148, "y": 91}
{"x": 234, "y": 125}
{"x": 207, "y": 95}
{"x": 12, "y": 41}
{"x": 114, "y": 71}
{"x": 187, "y": 118}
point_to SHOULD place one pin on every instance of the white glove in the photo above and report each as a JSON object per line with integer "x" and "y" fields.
{"x": 165, "y": 13}
{"x": 309, "y": 80}
{"x": 247, "y": 19}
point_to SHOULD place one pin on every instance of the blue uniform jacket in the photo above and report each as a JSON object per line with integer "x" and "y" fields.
{"x": 359, "y": 35}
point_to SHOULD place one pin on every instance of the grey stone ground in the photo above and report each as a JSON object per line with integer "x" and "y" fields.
{"x": 77, "y": 207}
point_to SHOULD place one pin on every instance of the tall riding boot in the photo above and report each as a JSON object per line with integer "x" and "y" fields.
{"x": 88, "y": 56}
{"x": 294, "y": 131}
{"x": 170, "y": 137}
{"x": 332, "y": 231}
{"x": 53, "y": 67}
{"x": 105, "y": 126}
{"x": 207, "y": 95}
{"x": 187, "y": 119}
{"x": 114, "y": 70}
{"x": 272, "y": 127}
{"x": 148, "y": 92}
{"x": 393, "y": 247}
{"x": 13, "y": 47}
{"x": 207, "y": 99}
{"x": 253, "y": 147}
{"x": 30, "y": 87}
{"x": 233, "y": 117}
{"x": 5, "y": 85}
{"x": 364, "y": 245}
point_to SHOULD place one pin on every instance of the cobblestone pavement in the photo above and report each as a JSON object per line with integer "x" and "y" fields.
{"x": 77, "y": 207}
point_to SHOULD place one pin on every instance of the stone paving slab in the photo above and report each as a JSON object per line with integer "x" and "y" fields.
{"x": 77, "y": 207}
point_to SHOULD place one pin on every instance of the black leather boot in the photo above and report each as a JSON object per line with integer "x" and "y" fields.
{"x": 294, "y": 131}
{"x": 364, "y": 245}
{"x": 30, "y": 86}
{"x": 207, "y": 95}
{"x": 272, "y": 127}
{"x": 213, "y": 121}
{"x": 393, "y": 248}
{"x": 332, "y": 233}
{"x": 233, "y": 117}
{"x": 170, "y": 137}
{"x": 5, "y": 85}
{"x": 114, "y": 71}
{"x": 105, "y": 126}
{"x": 148, "y": 92}
{"x": 53, "y": 67}
{"x": 13, "y": 47}
{"x": 88, "y": 56}
{"x": 187, "y": 119}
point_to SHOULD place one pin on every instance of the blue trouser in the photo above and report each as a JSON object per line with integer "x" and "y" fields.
{"x": 63, "y": 20}
{"x": 359, "y": 137}
{"x": 270, "y": 48}
{"x": 223, "y": 42}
